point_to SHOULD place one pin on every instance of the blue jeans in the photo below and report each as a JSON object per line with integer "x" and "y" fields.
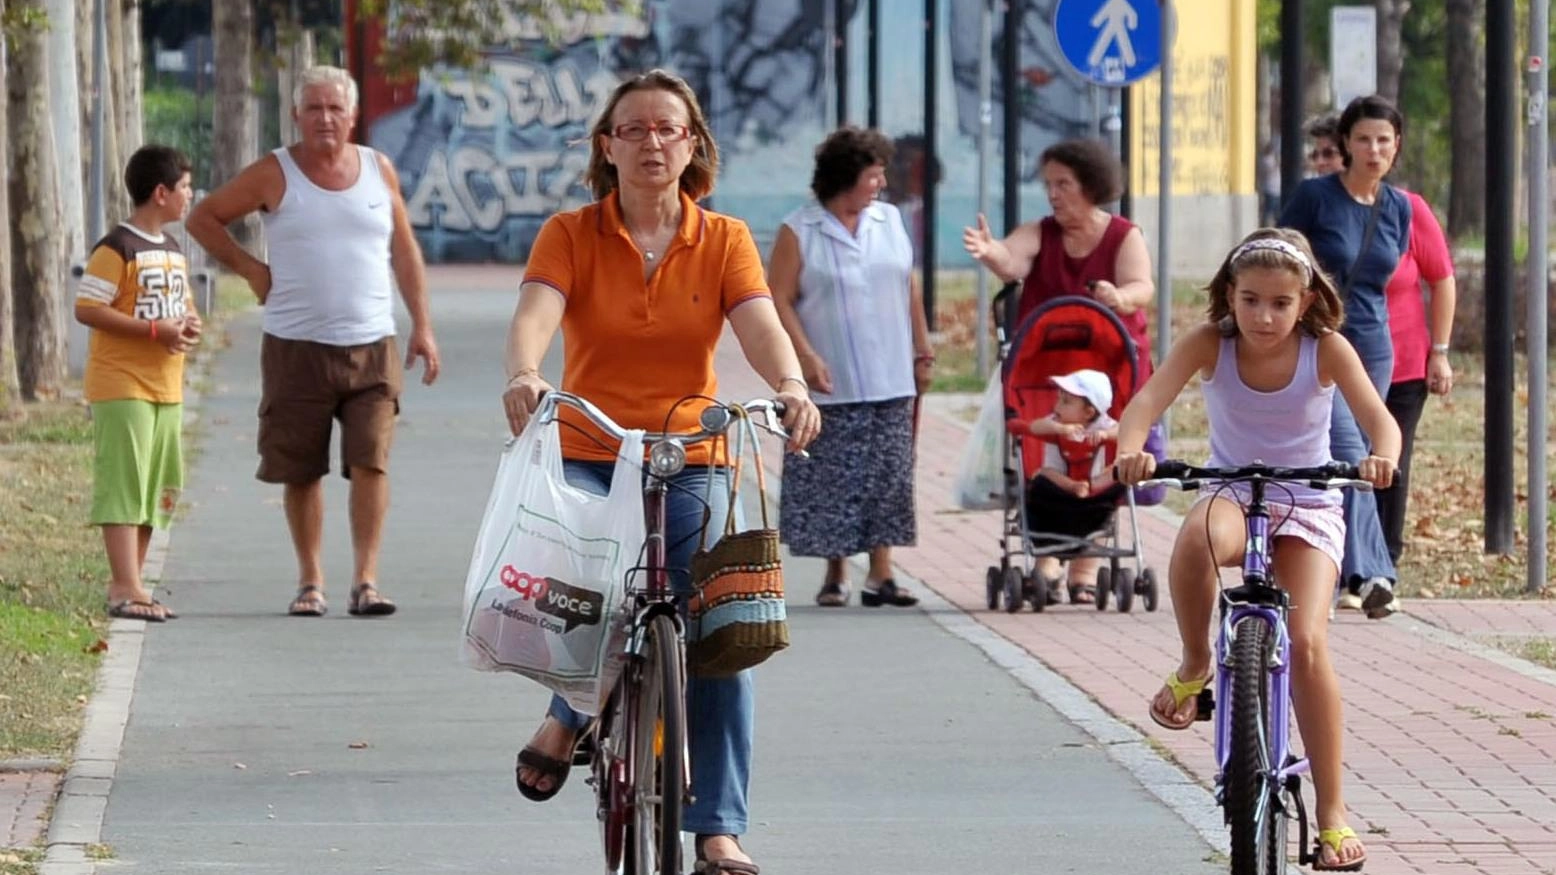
{"x": 1366, "y": 550}
{"x": 720, "y": 712}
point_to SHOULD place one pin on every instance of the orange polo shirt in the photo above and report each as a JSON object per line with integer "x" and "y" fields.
{"x": 633, "y": 347}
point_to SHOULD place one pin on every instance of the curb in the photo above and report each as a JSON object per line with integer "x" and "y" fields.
{"x": 77, "y": 820}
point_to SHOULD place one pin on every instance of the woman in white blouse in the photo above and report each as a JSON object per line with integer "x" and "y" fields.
{"x": 842, "y": 276}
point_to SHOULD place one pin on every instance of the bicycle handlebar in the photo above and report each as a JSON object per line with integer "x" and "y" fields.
{"x": 714, "y": 421}
{"x": 1333, "y": 475}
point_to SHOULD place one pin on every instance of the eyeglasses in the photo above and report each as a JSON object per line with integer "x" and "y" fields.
{"x": 633, "y": 132}
{"x": 1326, "y": 152}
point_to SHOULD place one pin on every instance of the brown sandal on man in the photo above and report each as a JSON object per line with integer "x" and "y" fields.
{"x": 309, "y": 602}
{"x": 135, "y": 609}
{"x": 705, "y": 866}
{"x": 366, "y": 602}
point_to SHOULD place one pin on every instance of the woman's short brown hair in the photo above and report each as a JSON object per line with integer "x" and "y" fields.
{"x": 843, "y": 155}
{"x": 698, "y": 177}
{"x": 1095, "y": 167}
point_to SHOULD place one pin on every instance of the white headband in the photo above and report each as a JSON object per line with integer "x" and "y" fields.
{"x": 1274, "y": 244}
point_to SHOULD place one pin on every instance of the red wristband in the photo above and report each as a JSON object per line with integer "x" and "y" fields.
{"x": 153, "y": 330}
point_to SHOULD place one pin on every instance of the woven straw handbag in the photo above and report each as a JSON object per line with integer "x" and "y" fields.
{"x": 737, "y": 616}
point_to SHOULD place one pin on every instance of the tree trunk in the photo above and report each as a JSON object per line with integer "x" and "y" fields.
{"x": 131, "y": 74}
{"x": 86, "y": 27}
{"x": 1467, "y": 117}
{"x": 116, "y": 198}
{"x": 1391, "y": 56}
{"x": 10, "y": 392}
{"x": 65, "y": 115}
{"x": 233, "y": 136}
{"x": 38, "y": 263}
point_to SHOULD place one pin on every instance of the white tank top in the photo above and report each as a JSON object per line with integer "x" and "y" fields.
{"x": 329, "y": 258}
{"x": 854, "y": 301}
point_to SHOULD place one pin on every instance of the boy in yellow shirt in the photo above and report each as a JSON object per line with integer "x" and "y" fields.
{"x": 135, "y": 297}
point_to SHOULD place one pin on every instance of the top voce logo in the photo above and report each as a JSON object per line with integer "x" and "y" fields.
{"x": 574, "y": 606}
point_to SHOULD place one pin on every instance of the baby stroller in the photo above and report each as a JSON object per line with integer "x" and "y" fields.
{"x": 1059, "y": 337}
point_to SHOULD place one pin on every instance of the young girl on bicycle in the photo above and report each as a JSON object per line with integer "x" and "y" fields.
{"x": 1269, "y": 360}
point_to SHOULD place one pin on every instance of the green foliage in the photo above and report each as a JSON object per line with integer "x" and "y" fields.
{"x": 428, "y": 33}
{"x": 174, "y": 116}
{"x": 1424, "y": 99}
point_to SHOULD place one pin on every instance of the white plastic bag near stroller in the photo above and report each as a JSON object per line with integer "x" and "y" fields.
{"x": 979, "y": 483}
{"x": 545, "y": 593}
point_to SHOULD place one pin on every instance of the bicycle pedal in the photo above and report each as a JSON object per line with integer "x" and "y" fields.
{"x": 1205, "y": 705}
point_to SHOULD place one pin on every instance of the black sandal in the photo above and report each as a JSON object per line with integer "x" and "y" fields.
{"x": 367, "y": 602}
{"x": 309, "y": 602}
{"x": 833, "y": 595}
{"x": 887, "y": 592}
{"x": 1083, "y": 594}
{"x": 134, "y": 609}
{"x": 584, "y": 749}
{"x": 705, "y": 866}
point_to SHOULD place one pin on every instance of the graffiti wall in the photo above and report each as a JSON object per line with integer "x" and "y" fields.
{"x": 485, "y": 158}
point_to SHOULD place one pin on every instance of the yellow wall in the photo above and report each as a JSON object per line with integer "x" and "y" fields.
{"x": 1213, "y": 119}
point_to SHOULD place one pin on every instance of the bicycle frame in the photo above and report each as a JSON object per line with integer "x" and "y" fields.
{"x": 1259, "y": 598}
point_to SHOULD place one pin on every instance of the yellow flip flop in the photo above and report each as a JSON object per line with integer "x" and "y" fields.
{"x": 1334, "y": 838}
{"x": 1182, "y": 691}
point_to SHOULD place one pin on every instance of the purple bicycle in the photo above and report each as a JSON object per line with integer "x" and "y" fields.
{"x": 1258, "y": 778}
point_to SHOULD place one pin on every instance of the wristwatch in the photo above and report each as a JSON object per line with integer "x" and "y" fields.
{"x": 1440, "y": 348}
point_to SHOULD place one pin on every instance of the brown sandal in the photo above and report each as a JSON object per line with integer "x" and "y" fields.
{"x": 366, "y": 602}
{"x": 706, "y": 866}
{"x": 309, "y": 602}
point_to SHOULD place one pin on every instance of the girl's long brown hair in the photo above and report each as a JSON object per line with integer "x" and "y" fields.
{"x": 1324, "y": 315}
{"x": 698, "y": 177}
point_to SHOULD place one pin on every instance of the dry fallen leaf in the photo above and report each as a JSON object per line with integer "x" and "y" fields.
{"x": 358, "y": 745}
{"x": 98, "y": 646}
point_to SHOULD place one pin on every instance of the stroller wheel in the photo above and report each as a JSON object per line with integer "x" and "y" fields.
{"x": 1148, "y": 589}
{"x": 1036, "y": 590}
{"x": 1012, "y": 589}
{"x": 1104, "y": 587}
{"x": 991, "y": 587}
{"x": 1124, "y": 589}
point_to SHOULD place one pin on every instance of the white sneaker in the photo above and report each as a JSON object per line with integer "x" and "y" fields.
{"x": 1349, "y": 601}
{"x": 1377, "y": 597}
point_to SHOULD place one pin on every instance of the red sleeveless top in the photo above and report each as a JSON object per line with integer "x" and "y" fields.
{"x": 1055, "y": 274}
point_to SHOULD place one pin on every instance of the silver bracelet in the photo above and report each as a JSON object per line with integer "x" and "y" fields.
{"x": 800, "y": 380}
{"x": 1440, "y": 348}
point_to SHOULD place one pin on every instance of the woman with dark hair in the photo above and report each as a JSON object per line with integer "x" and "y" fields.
{"x": 1081, "y": 249}
{"x": 842, "y": 276}
{"x": 641, "y": 282}
{"x": 1359, "y": 227}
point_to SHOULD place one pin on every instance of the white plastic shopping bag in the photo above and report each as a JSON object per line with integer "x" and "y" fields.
{"x": 980, "y": 472}
{"x": 545, "y": 593}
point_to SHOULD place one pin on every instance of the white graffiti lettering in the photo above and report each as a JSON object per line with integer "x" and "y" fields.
{"x": 524, "y": 93}
{"x": 526, "y": 184}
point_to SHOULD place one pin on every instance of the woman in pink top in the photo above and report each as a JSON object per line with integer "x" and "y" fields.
{"x": 1420, "y": 349}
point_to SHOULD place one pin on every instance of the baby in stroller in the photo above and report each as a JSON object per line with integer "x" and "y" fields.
{"x": 1073, "y": 492}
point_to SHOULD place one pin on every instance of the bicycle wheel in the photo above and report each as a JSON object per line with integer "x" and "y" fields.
{"x": 1252, "y": 798}
{"x": 658, "y": 756}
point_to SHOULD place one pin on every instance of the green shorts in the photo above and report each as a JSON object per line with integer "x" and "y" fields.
{"x": 138, "y": 474}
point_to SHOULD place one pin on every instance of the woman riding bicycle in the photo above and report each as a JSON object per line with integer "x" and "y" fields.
{"x": 1269, "y": 360}
{"x": 641, "y": 282}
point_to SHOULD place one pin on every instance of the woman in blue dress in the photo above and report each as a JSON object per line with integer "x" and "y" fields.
{"x": 1359, "y": 226}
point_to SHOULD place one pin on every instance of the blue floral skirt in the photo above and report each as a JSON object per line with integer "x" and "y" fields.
{"x": 855, "y": 492}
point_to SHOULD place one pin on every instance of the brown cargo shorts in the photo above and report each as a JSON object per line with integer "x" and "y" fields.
{"x": 306, "y": 385}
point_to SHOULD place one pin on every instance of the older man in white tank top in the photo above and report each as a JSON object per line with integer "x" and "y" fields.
{"x": 336, "y": 228}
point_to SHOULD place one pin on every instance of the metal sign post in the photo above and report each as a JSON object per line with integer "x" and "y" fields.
{"x": 1164, "y": 198}
{"x": 985, "y": 123}
{"x": 1539, "y": 286}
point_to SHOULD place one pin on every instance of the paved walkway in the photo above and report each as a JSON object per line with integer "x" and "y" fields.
{"x": 1450, "y": 763}
{"x": 1451, "y": 748}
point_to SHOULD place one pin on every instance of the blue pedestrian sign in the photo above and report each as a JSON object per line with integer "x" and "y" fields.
{"x": 1110, "y": 42}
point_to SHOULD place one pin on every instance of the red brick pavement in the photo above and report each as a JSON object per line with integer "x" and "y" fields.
{"x": 25, "y": 798}
{"x": 1451, "y": 758}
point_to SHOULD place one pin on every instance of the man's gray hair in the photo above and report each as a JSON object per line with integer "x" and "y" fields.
{"x": 324, "y": 75}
